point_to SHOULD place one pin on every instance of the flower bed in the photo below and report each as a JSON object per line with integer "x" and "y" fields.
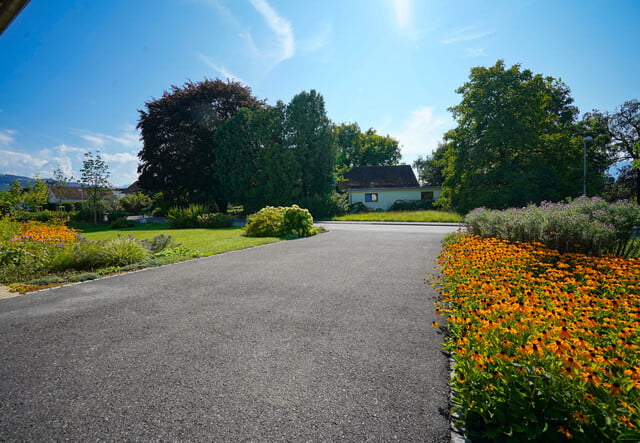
{"x": 546, "y": 345}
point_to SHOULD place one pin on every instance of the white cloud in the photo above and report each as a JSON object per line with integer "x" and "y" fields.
{"x": 128, "y": 138}
{"x": 20, "y": 163}
{"x": 224, "y": 72}
{"x": 6, "y": 137}
{"x": 281, "y": 27}
{"x": 123, "y": 167}
{"x": 466, "y": 34}
{"x": 421, "y": 133}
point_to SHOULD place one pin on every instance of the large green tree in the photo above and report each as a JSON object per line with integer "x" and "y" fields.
{"x": 309, "y": 134}
{"x": 254, "y": 165}
{"x": 623, "y": 129}
{"x": 357, "y": 148}
{"x": 431, "y": 169}
{"x": 179, "y": 147}
{"x": 515, "y": 142}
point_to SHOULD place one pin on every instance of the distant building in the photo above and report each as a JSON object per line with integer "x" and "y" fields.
{"x": 379, "y": 187}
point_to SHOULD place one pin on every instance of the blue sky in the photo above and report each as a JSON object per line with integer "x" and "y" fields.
{"x": 74, "y": 73}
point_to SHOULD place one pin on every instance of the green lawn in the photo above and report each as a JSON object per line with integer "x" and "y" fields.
{"x": 205, "y": 241}
{"x": 403, "y": 216}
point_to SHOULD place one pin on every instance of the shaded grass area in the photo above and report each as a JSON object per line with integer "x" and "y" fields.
{"x": 403, "y": 216}
{"x": 205, "y": 241}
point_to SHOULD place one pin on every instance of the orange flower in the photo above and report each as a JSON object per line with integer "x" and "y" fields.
{"x": 564, "y": 432}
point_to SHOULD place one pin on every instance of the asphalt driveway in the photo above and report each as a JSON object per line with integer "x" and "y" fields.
{"x": 326, "y": 338}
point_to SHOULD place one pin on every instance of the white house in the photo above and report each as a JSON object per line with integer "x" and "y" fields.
{"x": 378, "y": 187}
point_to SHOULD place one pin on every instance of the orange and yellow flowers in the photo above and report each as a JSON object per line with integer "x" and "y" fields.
{"x": 562, "y": 330}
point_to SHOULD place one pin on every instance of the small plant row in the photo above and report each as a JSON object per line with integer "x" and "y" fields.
{"x": 546, "y": 345}
{"x": 585, "y": 225}
{"x": 35, "y": 250}
{"x": 198, "y": 216}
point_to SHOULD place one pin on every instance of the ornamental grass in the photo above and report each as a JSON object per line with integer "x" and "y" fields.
{"x": 546, "y": 345}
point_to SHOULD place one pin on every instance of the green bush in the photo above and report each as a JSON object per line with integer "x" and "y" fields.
{"x": 79, "y": 256}
{"x": 291, "y": 221}
{"x": 121, "y": 223}
{"x": 18, "y": 263}
{"x": 115, "y": 215}
{"x": 411, "y": 205}
{"x": 215, "y": 220}
{"x": 337, "y": 205}
{"x": 297, "y": 222}
{"x": 42, "y": 216}
{"x": 180, "y": 218}
{"x": 267, "y": 222}
{"x": 86, "y": 214}
{"x": 585, "y": 225}
{"x": 358, "y": 207}
{"x": 158, "y": 243}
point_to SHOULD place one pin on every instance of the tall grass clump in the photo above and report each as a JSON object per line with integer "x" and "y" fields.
{"x": 585, "y": 225}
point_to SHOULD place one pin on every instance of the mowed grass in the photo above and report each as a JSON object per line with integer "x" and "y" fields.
{"x": 403, "y": 216}
{"x": 205, "y": 241}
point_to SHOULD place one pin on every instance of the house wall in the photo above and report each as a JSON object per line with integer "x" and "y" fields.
{"x": 386, "y": 197}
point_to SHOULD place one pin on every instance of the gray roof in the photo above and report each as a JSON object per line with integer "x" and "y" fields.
{"x": 367, "y": 177}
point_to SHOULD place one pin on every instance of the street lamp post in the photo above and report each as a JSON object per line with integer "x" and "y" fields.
{"x": 588, "y": 138}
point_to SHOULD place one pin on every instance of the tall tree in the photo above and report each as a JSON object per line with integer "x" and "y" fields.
{"x": 178, "y": 139}
{"x": 255, "y": 166}
{"x": 623, "y": 128}
{"x": 95, "y": 179}
{"x": 515, "y": 141}
{"x": 310, "y": 136}
{"x": 431, "y": 169}
{"x": 356, "y": 148}
{"x": 60, "y": 183}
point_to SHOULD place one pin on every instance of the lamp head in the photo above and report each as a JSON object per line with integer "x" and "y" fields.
{"x": 588, "y": 138}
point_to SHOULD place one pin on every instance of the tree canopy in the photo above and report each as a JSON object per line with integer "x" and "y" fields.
{"x": 178, "y": 139}
{"x": 516, "y": 141}
{"x": 355, "y": 148}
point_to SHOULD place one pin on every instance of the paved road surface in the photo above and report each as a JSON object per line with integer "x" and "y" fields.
{"x": 326, "y": 338}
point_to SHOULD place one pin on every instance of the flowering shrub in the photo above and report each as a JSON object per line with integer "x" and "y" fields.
{"x": 585, "y": 225}
{"x": 291, "y": 221}
{"x": 546, "y": 345}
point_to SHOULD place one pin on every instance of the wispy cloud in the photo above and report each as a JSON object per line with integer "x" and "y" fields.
{"x": 6, "y": 137}
{"x": 466, "y": 34}
{"x": 421, "y": 132}
{"x": 281, "y": 27}
{"x": 128, "y": 138}
{"x": 19, "y": 163}
{"x": 224, "y": 72}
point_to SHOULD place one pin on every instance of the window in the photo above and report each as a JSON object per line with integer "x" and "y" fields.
{"x": 371, "y": 198}
{"x": 426, "y": 195}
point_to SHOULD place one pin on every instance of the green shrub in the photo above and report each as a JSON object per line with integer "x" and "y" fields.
{"x": 86, "y": 214}
{"x": 337, "y": 205}
{"x": 358, "y": 207}
{"x": 281, "y": 221}
{"x": 121, "y": 223}
{"x": 585, "y": 225}
{"x": 158, "y": 243}
{"x": 267, "y": 222}
{"x": 115, "y": 215}
{"x": 18, "y": 263}
{"x": 9, "y": 228}
{"x": 180, "y": 218}
{"x": 83, "y": 277}
{"x": 411, "y": 205}
{"x": 297, "y": 222}
{"x": 120, "y": 251}
{"x": 215, "y": 220}
{"x": 42, "y": 216}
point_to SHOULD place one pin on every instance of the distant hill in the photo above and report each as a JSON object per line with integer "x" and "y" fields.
{"x": 7, "y": 179}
